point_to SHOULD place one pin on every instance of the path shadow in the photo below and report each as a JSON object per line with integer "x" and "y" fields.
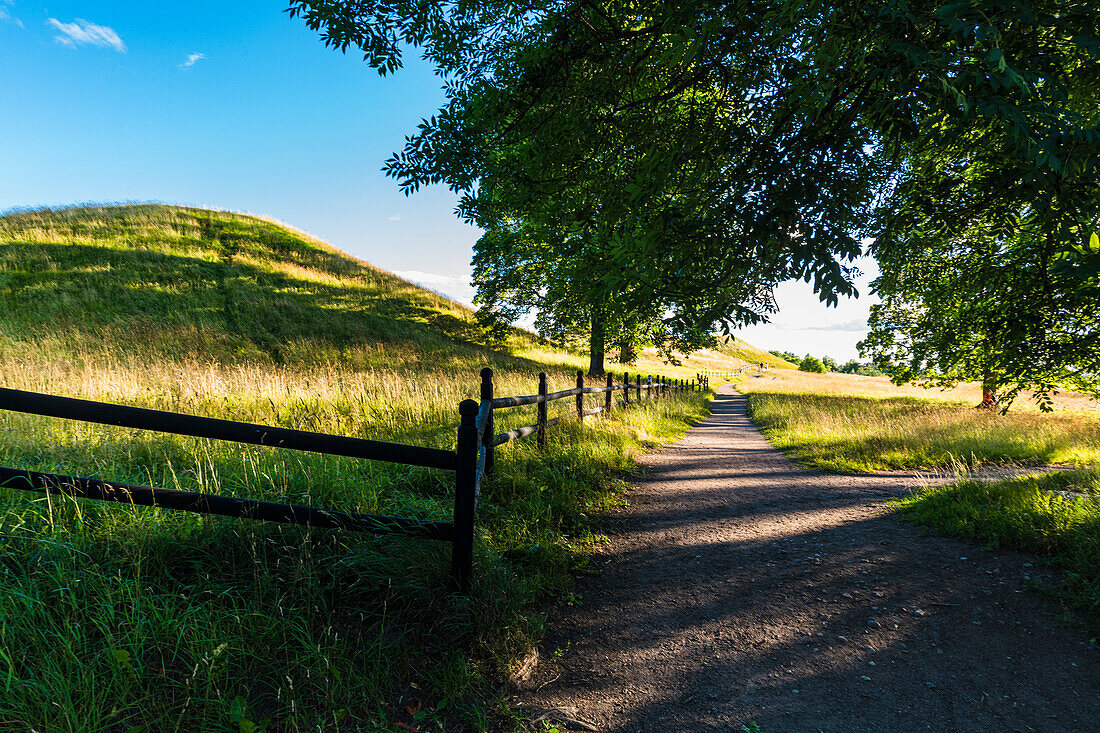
{"x": 740, "y": 587}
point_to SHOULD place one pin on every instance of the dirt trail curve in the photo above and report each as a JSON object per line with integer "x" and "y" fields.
{"x": 739, "y": 587}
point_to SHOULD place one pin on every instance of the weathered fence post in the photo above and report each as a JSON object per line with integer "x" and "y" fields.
{"x": 490, "y": 431}
{"x": 462, "y": 546}
{"x": 649, "y": 387}
{"x": 607, "y": 395}
{"x": 580, "y": 396}
{"x": 626, "y": 388}
{"x": 542, "y": 411}
{"x": 639, "y": 386}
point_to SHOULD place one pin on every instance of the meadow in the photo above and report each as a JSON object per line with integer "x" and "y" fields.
{"x": 851, "y": 423}
{"x": 122, "y": 618}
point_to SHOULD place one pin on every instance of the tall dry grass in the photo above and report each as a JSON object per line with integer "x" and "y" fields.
{"x": 845, "y": 422}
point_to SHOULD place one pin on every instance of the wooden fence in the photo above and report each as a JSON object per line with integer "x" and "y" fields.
{"x": 761, "y": 367}
{"x": 471, "y": 460}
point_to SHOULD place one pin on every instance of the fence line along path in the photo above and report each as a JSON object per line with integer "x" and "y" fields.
{"x": 472, "y": 458}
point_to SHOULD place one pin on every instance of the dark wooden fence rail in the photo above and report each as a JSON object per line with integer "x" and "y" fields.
{"x": 472, "y": 458}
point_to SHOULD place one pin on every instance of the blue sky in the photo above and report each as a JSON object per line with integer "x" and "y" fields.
{"x": 238, "y": 106}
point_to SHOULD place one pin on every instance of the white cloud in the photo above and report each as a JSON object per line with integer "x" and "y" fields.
{"x": 82, "y": 33}
{"x": 395, "y": 217}
{"x": 192, "y": 59}
{"x": 5, "y": 14}
{"x": 805, "y": 325}
{"x": 455, "y": 287}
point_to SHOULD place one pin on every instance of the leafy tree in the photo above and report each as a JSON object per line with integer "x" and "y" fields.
{"x": 811, "y": 364}
{"x": 854, "y": 366}
{"x": 764, "y": 129}
{"x": 987, "y": 244}
{"x": 790, "y": 356}
{"x": 680, "y": 162}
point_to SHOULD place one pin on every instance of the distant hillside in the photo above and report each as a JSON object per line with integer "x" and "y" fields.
{"x": 741, "y": 349}
{"x": 170, "y": 282}
{"x": 732, "y": 354}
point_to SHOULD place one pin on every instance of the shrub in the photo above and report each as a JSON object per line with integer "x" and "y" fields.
{"x": 812, "y": 364}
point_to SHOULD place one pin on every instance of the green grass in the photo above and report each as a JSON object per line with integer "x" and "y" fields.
{"x": 1055, "y": 516}
{"x": 859, "y": 424}
{"x": 115, "y": 618}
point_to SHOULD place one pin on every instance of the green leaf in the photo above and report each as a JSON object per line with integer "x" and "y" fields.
{"x": 237, "y": 709}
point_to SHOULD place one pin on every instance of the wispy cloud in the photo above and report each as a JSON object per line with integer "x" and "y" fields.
{"x": 82, "y": 33}
{"x": 192, "y": 59}
{"x": 455, "y": 287}
{"x": 854, "y": 326}
{"x": 395, "y": 217}
{"x": 5, "y": 14}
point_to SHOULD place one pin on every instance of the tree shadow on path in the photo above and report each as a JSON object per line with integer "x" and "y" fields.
{"x": 739, "y": 587}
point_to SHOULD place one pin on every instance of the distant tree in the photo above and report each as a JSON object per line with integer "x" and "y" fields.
{"x": 829, "y": 363}
{"x": 789, "y": 356}
{"x": 855, "y": 366}
{"x": 811, "y": 364}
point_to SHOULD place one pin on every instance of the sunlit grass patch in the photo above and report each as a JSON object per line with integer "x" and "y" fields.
{"x": 856, "y": 424}
{"x": 1055, "y": 515}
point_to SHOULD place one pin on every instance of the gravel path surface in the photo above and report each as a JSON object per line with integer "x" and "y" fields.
{"x": 739, "y": 587}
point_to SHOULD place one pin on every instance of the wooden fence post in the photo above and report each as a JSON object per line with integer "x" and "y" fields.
{"x": 639, "y": 386}
{"x": 487, "y": 438}
{"x": 542, "y": 412}
{"x": 626, "y": 388}
{"x": 607, "y": 395}
{"x": 462, "y": 546}
{"x": 649, "y": 384}
{"x": 580, "y": 396}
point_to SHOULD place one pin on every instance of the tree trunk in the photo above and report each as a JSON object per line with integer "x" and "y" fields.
{"x": 989, "y": 391}
{"x": 627, "y": 354}
{"x": 596, "y": 345}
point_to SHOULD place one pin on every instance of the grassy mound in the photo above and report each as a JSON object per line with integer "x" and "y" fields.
{"x": 120, "y": 618}
{"x": 162, "y": 282}
{"x": 736, "y": 348}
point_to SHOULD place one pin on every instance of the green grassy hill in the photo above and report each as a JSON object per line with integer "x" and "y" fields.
{"x": 740, "y": 349}
{"x": 167, "y": 282}
{"x": 124, "y": 618}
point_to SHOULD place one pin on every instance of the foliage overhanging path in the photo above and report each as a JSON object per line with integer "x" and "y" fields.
{"x": 739, "y": 587}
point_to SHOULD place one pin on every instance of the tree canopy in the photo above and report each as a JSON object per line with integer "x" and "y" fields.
{"x": 657, "y": 167}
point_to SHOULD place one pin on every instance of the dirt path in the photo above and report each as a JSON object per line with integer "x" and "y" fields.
{"x": 739, "y": 587}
